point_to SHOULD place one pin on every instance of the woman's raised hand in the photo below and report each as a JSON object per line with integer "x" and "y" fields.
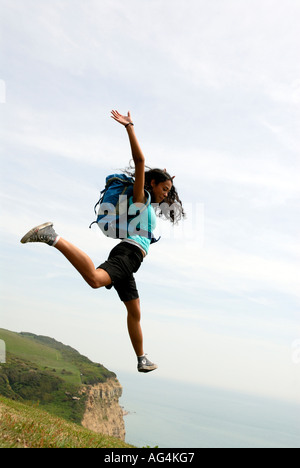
{"x": 122, "y": 119}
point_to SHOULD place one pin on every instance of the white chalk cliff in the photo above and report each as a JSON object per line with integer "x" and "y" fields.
{"x": 103, "y": 412}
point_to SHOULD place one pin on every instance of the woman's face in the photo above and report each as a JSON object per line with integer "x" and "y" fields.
{"x": 161, "y": 190}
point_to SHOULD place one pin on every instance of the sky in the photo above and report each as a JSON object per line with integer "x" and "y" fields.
{"x": 214, "y": 92}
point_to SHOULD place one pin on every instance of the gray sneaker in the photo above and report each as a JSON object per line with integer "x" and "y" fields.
{"x": 42, "y": 233}
{"x": 144, "y": 365}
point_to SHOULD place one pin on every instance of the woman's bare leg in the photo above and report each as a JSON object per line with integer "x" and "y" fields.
{"x": 96, "y": 278}
{"x": 134, "y": 325}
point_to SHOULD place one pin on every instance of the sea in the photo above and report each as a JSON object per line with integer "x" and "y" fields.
{"x": 170, "y": 414}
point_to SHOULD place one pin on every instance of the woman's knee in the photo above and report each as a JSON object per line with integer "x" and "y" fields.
{"x": 133, "y": 309}
{"x": 94, "y": 283}
{"x": 99, "y": 279}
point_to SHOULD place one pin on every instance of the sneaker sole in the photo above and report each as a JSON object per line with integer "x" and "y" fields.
{"x": 34, "y": 230}
{"x": 147, "y": 369}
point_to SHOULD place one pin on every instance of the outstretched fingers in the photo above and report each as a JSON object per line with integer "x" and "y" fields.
{"x": 122, "y": 119}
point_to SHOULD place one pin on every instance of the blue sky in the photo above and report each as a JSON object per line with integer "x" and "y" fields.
{"x": 214, "y": 91}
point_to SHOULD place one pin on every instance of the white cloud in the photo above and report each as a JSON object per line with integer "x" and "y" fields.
{"x": 287, "y": 135}
{"x": 223, "y": 268}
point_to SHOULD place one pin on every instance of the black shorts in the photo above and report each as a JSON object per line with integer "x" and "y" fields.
{"x": 124, "y": 260}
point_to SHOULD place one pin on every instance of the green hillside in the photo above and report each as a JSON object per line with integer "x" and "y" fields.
{"x": 41, "y": 370}
{"x": 25, "y": 426}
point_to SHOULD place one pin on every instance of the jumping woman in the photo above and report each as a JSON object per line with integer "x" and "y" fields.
{"x": 125, "y": 258}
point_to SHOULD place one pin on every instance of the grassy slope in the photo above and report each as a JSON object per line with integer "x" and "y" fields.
{"x": 24, "y": 426}
{"x": 38, "y": 354}
{"x": 48, "y": 353}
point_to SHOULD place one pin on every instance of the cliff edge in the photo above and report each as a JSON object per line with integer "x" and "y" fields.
{"x": 103, "y": 414}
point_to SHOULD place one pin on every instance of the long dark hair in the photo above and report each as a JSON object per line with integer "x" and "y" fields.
{"x": 171, "y": 208}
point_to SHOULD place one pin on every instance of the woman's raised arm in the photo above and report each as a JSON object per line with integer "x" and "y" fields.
{"x": 137, "y": 155}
